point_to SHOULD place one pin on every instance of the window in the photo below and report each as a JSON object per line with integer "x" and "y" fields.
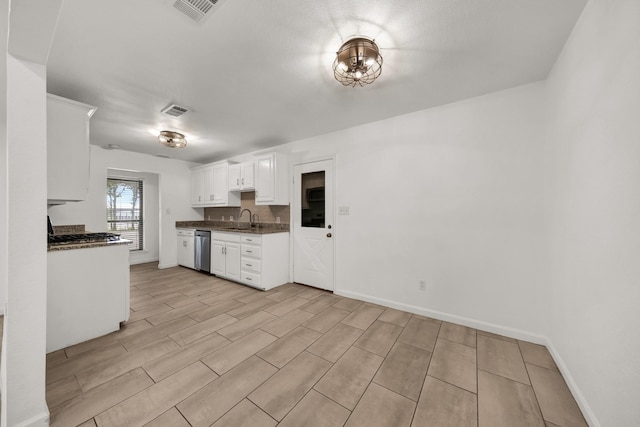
{"x": 124, "y": 210}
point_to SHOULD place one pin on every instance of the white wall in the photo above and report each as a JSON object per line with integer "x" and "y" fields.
{"x": 150, "y": 212}
{"x": 4, "y": 15}
{"x": 174, "y": 181}
{"x": 451, "y": 195}
{"x": 594, "y": 210}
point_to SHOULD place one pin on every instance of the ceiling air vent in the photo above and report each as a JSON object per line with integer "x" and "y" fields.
{"x": 174, "y": 110}
{"x": 195, "y": 9}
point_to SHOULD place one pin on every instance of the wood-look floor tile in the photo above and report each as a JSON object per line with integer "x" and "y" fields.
{"x": 284, "y": 292}
{"x": 53, "y": 357}
{"x": 403, "y": 370}
{"x": 110, "y": 369}
{"x": 454, "y": 363}
{"x": 506, "y": 403}
{"x": 381, "y": 407}
{"x": 311, "y": 293}
{"x": 153, "y": 301}
{"x": 202, "y": 329}
{"x": 363, "y": 317}
{"x": 397, "y": 317}
{"x": 254, "y": 307}
{"x": 62, "y": 390}
{"x": 285, "y": 349}
{"x": 214, "y": 310}
{"x": 129, "y": 328}
{"x": 245, "y": 414}
{"x": 171, "y": 418}
{"x": 246, "y": 325}
{"x": 348, "y": 304}
{"x": 320, "y": 304}
{"x": 280, "y": 393}
{"x": 172, "y": 362}
{"x": 287, "y": 322}
{"x": 537, "y": 355}
{"x": 88, "y": 423}
{"x": 157, "y": 399}
{"x": 458, "y": 333}
{"x": 420, "y": 332}
{"x": 150, "y": 335}
{"x": 501, "y": 358}
{"x": 83, "y": 361}
{"x": 204, "y": 407}
{"x": 326, "y": 319}
{"x": 332, "y": 345}
{"x": 175, "y": 313}
{"x": 286, "y": 306}
{"x": 315, "y": 410}
{"x": 556, "y": 402}
{"x": 149, "y": 311}
{"x": 496, "y": 336}
{"x": 349, "y": 377}
{"x": 223, "y": 360}
{"x": 379, "y": 338}
{"x": 87, "y": 405}
{"x": 443, "y": 404}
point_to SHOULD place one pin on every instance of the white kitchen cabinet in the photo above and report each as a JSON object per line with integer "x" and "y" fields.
{"x": 242, "y": 176}
{"x": 67, "y": 149}
{"x": 186, "y": 248}
{"x": 264, "y": 260}
{"x": 210, "y": 186}
{"x": 272, "y": 179}
{"x": 225, "y": 255}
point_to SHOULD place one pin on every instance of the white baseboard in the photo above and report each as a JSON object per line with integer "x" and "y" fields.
{"x": 589, "y": 416}
{"x": 163, "y": 266}
{"x": 39, "y": 420}
{"x": 135, "y": 261}
{"x": 472, "y": 323}
{"x": 496, "y": 329}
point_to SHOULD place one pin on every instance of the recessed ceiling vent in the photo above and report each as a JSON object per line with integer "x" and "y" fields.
{"x": 174, "y": 110}
{"x": 195, "y": 9}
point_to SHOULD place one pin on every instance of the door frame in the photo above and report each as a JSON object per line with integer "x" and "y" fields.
{"x": 292, "y": 212}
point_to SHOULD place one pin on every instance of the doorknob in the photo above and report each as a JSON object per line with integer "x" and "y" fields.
{"x": 328, "y": 234}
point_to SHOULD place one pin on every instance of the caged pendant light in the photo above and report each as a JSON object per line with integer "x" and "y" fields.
{"x": 358, "y": 62}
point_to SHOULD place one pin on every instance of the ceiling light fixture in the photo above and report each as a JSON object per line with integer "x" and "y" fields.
{"x": 358, "y": 62}
{"x": 172, "y": 139}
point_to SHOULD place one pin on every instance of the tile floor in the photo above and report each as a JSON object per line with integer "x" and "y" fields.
{"x": 202, "y": 351}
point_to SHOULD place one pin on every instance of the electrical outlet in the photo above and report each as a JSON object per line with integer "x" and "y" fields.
{"x": 230, "y": 217}
{"x": 222, "y": 217}
{"x": 422, "y": 285}
{"x": 277, "y": 220}
{"x": 343, "y": 210}
{"x": 208, "y": 217}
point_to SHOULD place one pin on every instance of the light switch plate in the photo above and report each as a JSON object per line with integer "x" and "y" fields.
{"x": 343, "y": 210}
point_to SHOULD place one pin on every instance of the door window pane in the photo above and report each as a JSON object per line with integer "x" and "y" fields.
{"x": 313, "y": 199}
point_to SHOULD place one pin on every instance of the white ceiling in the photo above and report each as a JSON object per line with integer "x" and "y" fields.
{"x": 257, "y": 73}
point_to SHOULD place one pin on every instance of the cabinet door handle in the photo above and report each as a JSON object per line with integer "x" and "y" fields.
{"x": 249, "y": 240}
{"x": 184, "y": 244}
{"x": 242, "y": 181}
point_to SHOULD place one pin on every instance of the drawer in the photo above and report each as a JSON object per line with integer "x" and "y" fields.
{"x": 250, "y": 264}
{"x": 250, "y": 278}
{"x": 252, "y": 239}
{"x": 251, "y": 250}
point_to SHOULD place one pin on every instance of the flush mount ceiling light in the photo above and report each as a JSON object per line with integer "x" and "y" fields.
{"x": 358, "y": 62}
{"x": 172, "y": 139}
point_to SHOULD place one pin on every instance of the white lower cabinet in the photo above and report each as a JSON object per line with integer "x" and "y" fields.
{"x": 258, "y": 260}
{"x": 225, "y": 255}
{"x": 186, "y": 256}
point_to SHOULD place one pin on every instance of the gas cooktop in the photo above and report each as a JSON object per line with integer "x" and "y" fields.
{"x": 82, "y": 238}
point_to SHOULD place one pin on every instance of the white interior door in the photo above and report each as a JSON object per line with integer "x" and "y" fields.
{"x": 313, "y": 231}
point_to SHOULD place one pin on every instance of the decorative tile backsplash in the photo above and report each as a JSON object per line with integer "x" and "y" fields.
{"x": 266, "y": 214}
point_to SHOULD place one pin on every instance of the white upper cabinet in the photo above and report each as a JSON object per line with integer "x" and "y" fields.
{"x": 272, "y": 179}
{"x": 242, "y": 176}
{"x": 67, "y": 149}
{"x": 210, "y": 186}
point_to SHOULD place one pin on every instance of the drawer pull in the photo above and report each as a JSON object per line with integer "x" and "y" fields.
{"x": 249, "y": 252}
{"x": 248, "y": 265}
{"x": 249, "y": 278}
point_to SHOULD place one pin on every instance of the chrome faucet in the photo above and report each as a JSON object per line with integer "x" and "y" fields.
{"x": 243, "y": 211}
{"x": 256, "y": 221}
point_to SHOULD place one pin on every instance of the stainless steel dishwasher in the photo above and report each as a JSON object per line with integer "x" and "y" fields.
{"x": 203, "y": 251}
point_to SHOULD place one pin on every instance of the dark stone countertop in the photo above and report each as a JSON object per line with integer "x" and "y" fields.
{"x": 234, "y": 227}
